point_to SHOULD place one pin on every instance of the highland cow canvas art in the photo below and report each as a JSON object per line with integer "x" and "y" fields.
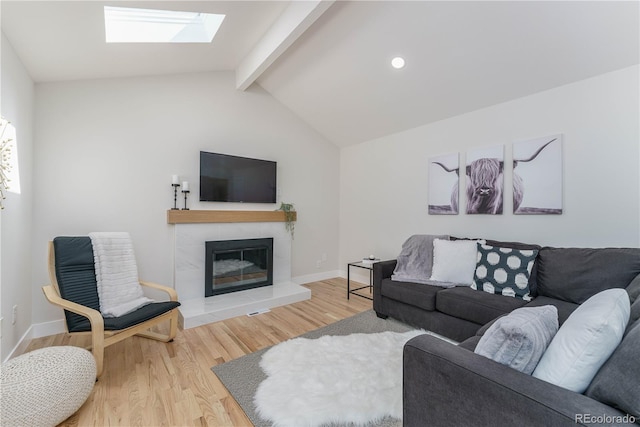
{"x": 443, "y": 184}
{"x": 537, "y": 176}
{"x": 485, "y": 180}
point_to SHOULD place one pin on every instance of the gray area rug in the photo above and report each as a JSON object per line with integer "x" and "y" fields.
{"x": 243, "y": 375}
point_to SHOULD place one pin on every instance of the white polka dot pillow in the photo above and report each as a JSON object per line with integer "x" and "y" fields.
{"x": 504, "y": 271}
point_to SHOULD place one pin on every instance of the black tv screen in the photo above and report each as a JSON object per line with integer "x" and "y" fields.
{"x": 225, "y": 178}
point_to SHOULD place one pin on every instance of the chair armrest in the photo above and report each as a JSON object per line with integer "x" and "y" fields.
{"x": 450, "y": 385}
{"x": 173, "y": 295}
{"x": 381, "y": 270}
{"x": 94, "y": 316}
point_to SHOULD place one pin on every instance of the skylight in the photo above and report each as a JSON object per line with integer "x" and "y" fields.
{"x": 129, "y": 25}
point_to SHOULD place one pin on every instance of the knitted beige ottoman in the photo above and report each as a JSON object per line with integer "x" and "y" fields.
{"x": 45, "y": 387}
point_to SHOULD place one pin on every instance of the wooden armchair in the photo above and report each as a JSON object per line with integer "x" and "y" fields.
{"x": 74, "y": 288}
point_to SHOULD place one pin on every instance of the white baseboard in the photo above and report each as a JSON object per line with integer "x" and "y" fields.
{"x": 22, "y": 344}
{"x": 45, "y": 329}
{"x": 316, "y": 277}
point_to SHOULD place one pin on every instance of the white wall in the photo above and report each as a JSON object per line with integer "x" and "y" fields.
{"x": 17, "y": 105}
{"x": 383, "y": 187}
{"x": 106, "y": 150}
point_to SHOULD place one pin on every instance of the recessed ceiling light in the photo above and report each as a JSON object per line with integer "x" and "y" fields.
{"x": 130, "y": 25}
{"x": 397, "y": 62}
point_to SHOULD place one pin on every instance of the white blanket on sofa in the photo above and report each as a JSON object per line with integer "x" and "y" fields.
{"x": 119, "y": 289}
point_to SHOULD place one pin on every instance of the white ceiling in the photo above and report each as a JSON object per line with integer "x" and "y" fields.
{"x": 65, "y": 40}
{"x": 461, "y": 56}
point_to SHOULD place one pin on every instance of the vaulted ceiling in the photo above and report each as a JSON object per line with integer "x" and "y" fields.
{"x": 329, "y": 62}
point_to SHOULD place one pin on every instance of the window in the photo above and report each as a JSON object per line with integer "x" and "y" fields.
{"x": 9, "y": 170}
{"x": 129, "y": 25}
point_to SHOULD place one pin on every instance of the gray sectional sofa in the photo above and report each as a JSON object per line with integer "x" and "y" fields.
{"x": 450, "y": 385}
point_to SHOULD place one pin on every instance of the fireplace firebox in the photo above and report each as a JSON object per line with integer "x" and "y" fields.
{"x": 236, "y": 265}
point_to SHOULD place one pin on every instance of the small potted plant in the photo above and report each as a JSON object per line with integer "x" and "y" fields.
{"x": 289, "y": 216}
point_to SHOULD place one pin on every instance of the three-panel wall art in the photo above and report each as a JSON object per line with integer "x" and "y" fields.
{"x": 534, "y": 187}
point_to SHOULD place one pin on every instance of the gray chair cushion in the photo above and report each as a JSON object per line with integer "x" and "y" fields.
{"x": 125, "y": 321}
{"x": 76, "y": 276}
{"x": 616, "y": 383}
{"x": 576, "y": 274}
{"x": 478, "y": 307}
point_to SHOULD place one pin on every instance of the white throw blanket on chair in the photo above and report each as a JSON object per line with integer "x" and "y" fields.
{"x": 119, "y": 290}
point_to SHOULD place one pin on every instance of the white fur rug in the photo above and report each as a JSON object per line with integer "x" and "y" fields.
{"x": 347, "y": 379}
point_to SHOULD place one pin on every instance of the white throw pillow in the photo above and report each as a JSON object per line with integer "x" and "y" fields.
{"x": 585, "y": 341}
{"x": 454, "y": 261}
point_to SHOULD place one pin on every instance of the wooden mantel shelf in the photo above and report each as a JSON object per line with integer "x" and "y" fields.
{"x": 199, "y": 217}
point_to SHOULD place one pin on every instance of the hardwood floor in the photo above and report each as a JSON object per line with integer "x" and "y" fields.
{"x": 149, "y": 383}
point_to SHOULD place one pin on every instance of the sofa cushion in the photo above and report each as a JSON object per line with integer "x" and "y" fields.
{"x": 520, "y": 338}
{"x": 454, "y": 261}
{"x": 505, "y": 271}
{"x": 470, "y": 343}
{"x": 634, "y": 289}
{"x": 585, "y": 341}
{"x": 634, "y": 315}
{"x": 576, "y": 274}
{"x": 422, "y": 296}
{"x": 478, "y": 307}
{"x": 616, "y": 383}
{"x": 564, "y": 308}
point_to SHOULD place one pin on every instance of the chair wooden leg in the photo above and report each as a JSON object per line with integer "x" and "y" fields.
{"x": 173, "y": 330}
{"x": 173, "y": 326}
{"x": 154, "y": 336}
{"x": 97, "y": 338}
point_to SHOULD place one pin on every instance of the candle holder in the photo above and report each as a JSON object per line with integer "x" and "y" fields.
{"x": 175, "y": 197}
{"x": 185, "y": 192}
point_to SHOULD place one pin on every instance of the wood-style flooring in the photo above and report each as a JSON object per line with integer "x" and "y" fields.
{"x": 149, "y": 383}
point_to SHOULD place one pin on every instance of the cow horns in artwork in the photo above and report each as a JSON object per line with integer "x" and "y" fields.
{"x": 485, "y": 184}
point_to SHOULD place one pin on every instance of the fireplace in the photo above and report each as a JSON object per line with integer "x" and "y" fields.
{"x": 236, "y": 265}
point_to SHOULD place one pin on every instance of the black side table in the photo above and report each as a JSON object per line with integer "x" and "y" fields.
{"x": 366, "y": 266}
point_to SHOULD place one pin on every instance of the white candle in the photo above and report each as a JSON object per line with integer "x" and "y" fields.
{"x": 185, "y": 186}
{"x": 175, "y": 179}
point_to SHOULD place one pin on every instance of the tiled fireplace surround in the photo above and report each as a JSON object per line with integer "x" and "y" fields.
{"x": 189, "y": 264}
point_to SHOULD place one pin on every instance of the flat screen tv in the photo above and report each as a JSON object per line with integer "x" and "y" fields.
{"x": 225, "y": 178}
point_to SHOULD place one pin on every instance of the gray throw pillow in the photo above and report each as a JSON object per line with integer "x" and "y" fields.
{"x": 616, "y": 383}
{"x": 519, "y": 339}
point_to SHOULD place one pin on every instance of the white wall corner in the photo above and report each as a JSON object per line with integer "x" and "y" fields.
{"x": 315, "y": 277}
{"x": 21, "y": 345}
